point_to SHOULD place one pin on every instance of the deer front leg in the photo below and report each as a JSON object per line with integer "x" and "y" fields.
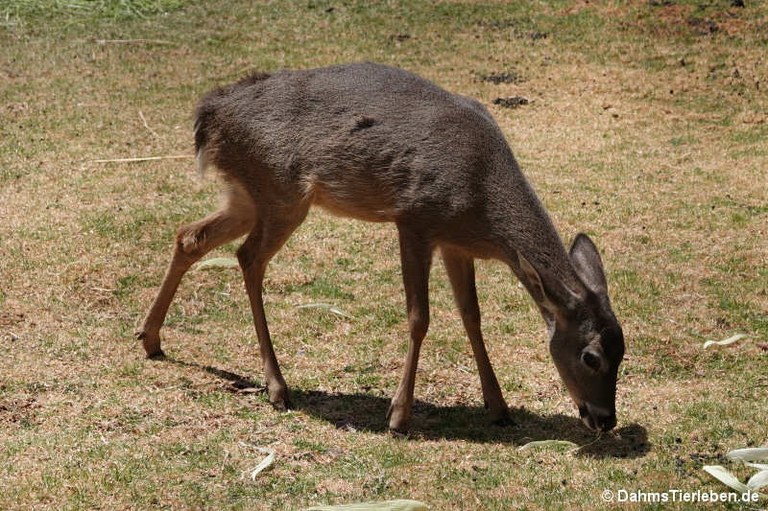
{"x": 461, "y": 272}
{"x": 416, "y": 258}
{"x": 268, "y": 236}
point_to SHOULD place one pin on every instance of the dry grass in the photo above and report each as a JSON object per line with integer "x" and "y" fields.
{"x": 646, "y": 127}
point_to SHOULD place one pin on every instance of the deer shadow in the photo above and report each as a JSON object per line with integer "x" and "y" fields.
{"x": 367, "y": 412}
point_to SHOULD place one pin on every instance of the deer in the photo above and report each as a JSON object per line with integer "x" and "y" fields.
{"x": 381, "y": 144}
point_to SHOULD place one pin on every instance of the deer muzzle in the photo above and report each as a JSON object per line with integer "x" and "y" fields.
{"x": 597, "y": 418}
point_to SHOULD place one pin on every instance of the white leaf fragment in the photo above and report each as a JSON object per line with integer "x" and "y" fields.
{"x": 390, "y": 505}
{"x": 267, "y": 462}
{"x": 758, "y": 480}
{"x": 748, "y": 454}
{"x": 325, "y": 306}
{"x": 557, "y": 444}
{"x": 725, "y": 342}
{"x": 217, "y": 262}
{"x": 725, "y": 477}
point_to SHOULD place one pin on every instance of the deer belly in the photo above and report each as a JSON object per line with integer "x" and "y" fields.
{"x": 369, "y": 202}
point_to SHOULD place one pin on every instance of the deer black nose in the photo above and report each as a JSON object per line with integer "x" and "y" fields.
{"x": 606, "y": 423}
{"x": 597, "y": 418}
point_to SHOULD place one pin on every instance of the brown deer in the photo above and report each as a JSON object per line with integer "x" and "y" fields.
{"x": 378, "y": 143}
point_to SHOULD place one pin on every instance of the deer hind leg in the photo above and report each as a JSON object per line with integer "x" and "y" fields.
{"x": 193, "y": 241}
{"x": 461, "y": 272}
{"x": 267, "y": 237}
{"x": 416, "y": 259}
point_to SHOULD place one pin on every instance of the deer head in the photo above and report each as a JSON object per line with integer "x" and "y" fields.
{"x": 586, "y": 343}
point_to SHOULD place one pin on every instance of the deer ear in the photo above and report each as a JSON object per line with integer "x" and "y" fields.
{"x": 588, "y": 265}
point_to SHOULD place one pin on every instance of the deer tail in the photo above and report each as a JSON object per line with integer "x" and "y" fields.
{"x": 201, "y": 139}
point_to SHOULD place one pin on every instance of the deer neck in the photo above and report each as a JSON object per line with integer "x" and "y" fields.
{"x": 533, "y": 249}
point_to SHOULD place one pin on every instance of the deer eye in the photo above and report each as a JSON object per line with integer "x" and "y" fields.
{"x": 591, "y": 360}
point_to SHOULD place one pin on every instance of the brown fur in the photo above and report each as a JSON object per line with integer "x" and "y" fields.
{"x": 380, "y": 144}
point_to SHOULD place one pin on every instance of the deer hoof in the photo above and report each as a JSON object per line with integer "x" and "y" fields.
{"x": 399, "y": 422}
{"x": 158, "y": 355}
{"x": 502, "y": 418}
{"x": 281, "y": 406}
{"x": 398, "y": 433}
{"x": 279, "y": 399}
{"x": 151, "y": 344}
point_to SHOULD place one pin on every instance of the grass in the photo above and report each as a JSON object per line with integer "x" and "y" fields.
{"x": 645, "y": 128}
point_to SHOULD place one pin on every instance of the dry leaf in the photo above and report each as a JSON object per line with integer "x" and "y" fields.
{"x": 725, "y": 342}
{"x": 390, "y": 505}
